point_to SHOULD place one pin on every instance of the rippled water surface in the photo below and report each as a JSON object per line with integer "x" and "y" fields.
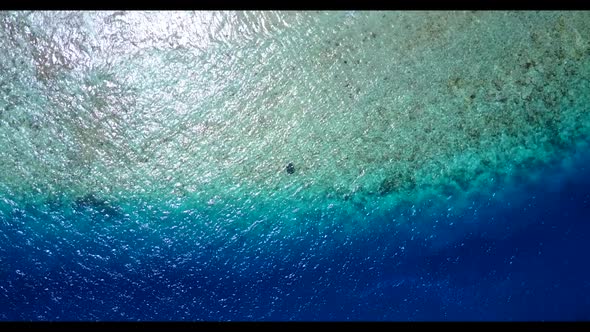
{"x": 294, "y": 165}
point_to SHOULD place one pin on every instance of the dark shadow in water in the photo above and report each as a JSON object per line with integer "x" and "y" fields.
{"x": 100, "y": 209}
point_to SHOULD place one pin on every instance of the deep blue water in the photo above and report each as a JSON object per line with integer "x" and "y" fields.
{"x": 518, "y": 261}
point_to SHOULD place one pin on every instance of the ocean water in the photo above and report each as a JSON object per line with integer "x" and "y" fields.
{"x": 294, "y": 166}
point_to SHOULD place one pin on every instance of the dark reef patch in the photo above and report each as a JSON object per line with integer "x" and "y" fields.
{"x": 95, "y": 204}
{"x": 290, "y": 168}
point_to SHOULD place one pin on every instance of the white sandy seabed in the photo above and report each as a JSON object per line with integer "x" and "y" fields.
{"x": 198, "y": 114}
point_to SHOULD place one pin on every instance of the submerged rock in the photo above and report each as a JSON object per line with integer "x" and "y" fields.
{"x": 290, "y": 168}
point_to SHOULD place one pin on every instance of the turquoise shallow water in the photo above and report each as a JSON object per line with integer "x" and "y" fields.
{"x": 147, "y": 139}
{"x": 372, "y": 108}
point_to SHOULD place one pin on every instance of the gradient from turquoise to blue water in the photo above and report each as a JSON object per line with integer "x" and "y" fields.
{"x": 526, "y": 261}
{"x": 520, "y": 255}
